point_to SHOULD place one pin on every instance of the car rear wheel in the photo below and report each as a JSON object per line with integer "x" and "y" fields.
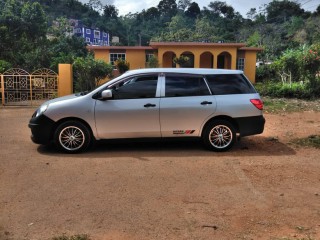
{"x": 72, "y": 137}
{"x": 219, "y": 135}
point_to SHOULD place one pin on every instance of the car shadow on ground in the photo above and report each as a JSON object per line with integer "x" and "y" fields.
{"x": 249, "y": 146}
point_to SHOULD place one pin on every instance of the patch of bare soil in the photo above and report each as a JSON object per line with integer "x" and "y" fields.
{"x": 264, "y": 188}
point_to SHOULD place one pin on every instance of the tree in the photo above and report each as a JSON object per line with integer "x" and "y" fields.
{"x": 110, "y": 12}
{"x": 25, "y": 22}
{"x": 283, "y": 10}
{"x": 167, "y": 9}
{"x": 193, "y": 10}
{"x": 252, "y": 13}
{"x": 183, "y": 4}
{"x": 96, "y": 5}
{"x": 222, "y": 9}
{"x": 34, "y": 19}
{"x": 204, "y": 31}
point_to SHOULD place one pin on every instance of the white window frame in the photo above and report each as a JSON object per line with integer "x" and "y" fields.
{"x": 240, "y": 64}
{"x": 88, "y": 31}
{"x": 88, "y": 40}
{"x": 114, "y": 56}
{"x": 96, "y": 34}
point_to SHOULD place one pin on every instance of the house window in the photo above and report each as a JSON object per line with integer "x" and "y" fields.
{"x": 240, "y": 64}
{"x": 105, "y": 34}
{"x": 115, "y": 56}
{"x": 96, "y": 34}
{"x": 88, "y": 40}
{"x": 88, "y": 31}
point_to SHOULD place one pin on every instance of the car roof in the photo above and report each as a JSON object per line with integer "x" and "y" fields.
{"x": 201, "y": 71}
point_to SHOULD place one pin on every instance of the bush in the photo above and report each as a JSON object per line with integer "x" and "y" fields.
{"x": 153, "y": 62}
{"x": 122, "y": 65}
{"x": 265, "y": 73}
{"x": 279, "y": 90}
{"x": 88, "y": 73}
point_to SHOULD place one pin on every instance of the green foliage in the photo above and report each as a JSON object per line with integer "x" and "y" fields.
{"x": 282, "y": 10}
{"x": 153, "y": 62}
{"x": 182, "y": 60}
{"x": 23, "y": 30}
{"x": 4, "y": 66}
{"x": 265, "y": 72}
{"x": 254, "y": 40}
{"x": 298, "y": 70}
{"x": 89, "y": 72}
{"x": 280, "y": 90}
{"x": 310, "y": 141}
{"x": 122, "y": 65}
{"x": 280, "y": 105}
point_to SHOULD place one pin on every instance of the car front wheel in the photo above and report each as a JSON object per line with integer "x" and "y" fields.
{"x": 72, "y": 137}
{"x": 219, "y": 135}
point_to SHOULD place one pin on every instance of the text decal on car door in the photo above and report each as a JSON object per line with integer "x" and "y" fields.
{"x": 182, "y": 132}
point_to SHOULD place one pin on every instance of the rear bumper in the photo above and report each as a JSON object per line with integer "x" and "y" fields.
{"x": 250, "y": 125}
{"x": 41, "y": 129}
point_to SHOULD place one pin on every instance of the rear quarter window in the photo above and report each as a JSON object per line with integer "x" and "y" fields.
{"x": 224, "y": 84}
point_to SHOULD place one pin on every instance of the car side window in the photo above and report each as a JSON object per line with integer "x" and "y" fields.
{"x": 223, "y": 84}
{"x": 136, "y": 87}
{"x": 180, "y": 86}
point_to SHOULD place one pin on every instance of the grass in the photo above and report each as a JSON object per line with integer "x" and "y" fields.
{"x": 74, "y": 237}
{"x": 311, "y": 141}
{"x": 281, "y": 105}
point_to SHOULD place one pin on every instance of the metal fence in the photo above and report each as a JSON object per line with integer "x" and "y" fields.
{"x": 20, "y": 88}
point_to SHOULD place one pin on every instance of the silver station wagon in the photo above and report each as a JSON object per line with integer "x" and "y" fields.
{"x": 216, "y": 106}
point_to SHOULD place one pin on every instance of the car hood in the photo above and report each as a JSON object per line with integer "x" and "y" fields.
{"x": 59, "y": 99}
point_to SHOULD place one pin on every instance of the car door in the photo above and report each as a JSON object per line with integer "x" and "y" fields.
{"x": 133, "y": 112}
{"x": 186, "y": 103}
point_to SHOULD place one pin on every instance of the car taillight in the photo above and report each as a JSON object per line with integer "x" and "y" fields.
{"x": 257, "y": 103}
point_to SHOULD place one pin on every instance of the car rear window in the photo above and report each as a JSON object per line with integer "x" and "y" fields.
{"x": 223, "y": 84}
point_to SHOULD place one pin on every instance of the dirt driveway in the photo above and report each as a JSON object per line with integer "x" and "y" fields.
{"x": 264, "y": 188}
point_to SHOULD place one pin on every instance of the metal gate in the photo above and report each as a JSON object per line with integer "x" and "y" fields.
{"x": 20, "y": 88}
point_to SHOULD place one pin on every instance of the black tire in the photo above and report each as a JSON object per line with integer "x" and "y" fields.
{"x": 219, "y": 135}
{"x": 72, "y": 137}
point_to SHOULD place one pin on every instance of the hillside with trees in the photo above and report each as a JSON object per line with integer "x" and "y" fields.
{"x": 278, "y": 27}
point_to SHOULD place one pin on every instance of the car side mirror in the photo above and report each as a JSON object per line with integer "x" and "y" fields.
{"x": 106, "y": 94}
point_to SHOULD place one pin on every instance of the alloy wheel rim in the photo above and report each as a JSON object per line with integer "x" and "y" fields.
{"x": 71, "y": 138}
{"x": 220, "y": 136}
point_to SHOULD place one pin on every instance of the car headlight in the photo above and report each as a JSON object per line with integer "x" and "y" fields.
{"x": 41, "y": 110}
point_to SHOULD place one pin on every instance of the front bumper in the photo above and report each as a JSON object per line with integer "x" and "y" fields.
{"x": 41, "y": 129}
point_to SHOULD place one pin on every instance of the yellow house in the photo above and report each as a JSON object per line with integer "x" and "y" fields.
{"x": 200, "y": 55}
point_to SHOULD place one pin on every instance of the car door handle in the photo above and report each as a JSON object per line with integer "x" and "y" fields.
{"x": 206, "y": 103}
{"x": 149, "y": 105}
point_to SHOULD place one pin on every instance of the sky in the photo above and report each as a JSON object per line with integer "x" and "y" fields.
{"x": 242, "y": 6}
